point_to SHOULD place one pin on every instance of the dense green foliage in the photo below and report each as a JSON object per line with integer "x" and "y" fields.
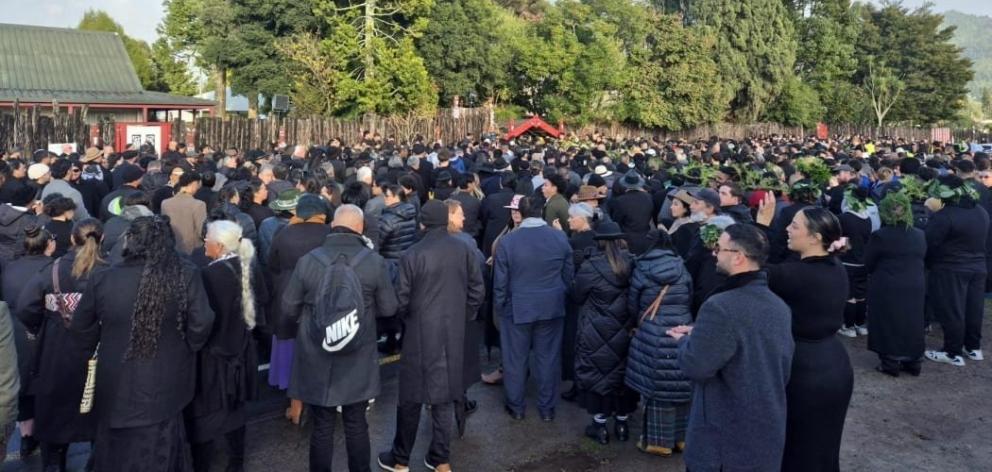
{"x": 670, "y": 64}
{"x": 972, "y": 35}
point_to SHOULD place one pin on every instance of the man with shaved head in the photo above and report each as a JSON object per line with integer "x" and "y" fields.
{"x": 325, "y": 381}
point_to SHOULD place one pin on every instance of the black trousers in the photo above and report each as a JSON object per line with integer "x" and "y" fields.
{"x": 356, "y": 437}
{"x": 203, "y": 453}
{"x": 407, "y": 423}
{"x": 895, "y": 364}
{"x": 959, "y": 304}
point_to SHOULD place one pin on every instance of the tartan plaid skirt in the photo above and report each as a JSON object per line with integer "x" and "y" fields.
{"x": 665, "y": 423}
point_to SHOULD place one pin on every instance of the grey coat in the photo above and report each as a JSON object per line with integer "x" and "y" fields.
{"x": 9, "y": 381}
{"x": 739, "y": 357}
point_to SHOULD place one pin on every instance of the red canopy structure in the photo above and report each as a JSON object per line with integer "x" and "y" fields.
{"x": 536, "y": 124}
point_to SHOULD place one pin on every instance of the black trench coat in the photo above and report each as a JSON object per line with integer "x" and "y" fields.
{"x": 61, "y": 359}
{"x": 440, "y": 288}
{"x": 894, "y": 259}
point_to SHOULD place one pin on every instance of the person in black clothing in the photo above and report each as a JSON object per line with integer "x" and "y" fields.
{"x": 803, "y": 194}
{"x": 634, "y": 211}
{"x": 148, "y": 315}
{"x": 471, "y": 204}
{"x": 821, "y": 381}
{"x": 252, "y": 201}
{"x": 14, "y": 181}
{"x": 684, "y": 229}
{"x": 603, "y": 335}
{"x": 956, "y": 236}
{"x": 206, "y": 193}
{"x": 111, "y": 204}
{"x": 494, "y": 213}
{"x": 60, "y": 211}
{"x": 894, "y": 259}
{"x": 227, "y": 367}
{"x": 38, "y": 246}
{"x": 732, "y": 203}
{"x": 856, "y": 226}
{"x": 60, "y": 368}
{"x": 582, "y": 240}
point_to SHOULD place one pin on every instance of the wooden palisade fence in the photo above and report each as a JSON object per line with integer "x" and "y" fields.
{"x": 34, "y": 127}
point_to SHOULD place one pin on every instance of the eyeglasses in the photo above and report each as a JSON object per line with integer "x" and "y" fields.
{"x": 717, "y": 250}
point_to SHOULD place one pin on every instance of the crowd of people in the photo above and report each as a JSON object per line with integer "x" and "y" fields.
{"x": 702, "y": 287}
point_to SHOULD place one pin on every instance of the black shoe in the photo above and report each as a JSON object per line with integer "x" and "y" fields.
{"x": 471, "y": 406}
{"x": 621, "y": 431}
{"x": 548, "y": 416}
{"x": 570, "y": 395}
{"x": 597, "y": 432}
{"x": 911, "y": 368}
{"x": 29, "y": 445}
{"x": 891, "y": 373}
{"x": 388, "y": 462}
{"x": 513, "y": 414}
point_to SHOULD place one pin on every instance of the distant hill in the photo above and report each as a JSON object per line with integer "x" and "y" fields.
{"x": 974, "y": 35}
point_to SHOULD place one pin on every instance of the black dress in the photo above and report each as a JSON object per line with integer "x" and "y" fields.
{"x": 894, "y": 258}
{"x": 821, "y": 382}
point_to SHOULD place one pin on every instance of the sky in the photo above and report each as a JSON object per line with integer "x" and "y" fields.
{"x": 140, "y": 17}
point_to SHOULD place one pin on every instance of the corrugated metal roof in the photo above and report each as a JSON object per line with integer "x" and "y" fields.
{"x": 41, "y": 64}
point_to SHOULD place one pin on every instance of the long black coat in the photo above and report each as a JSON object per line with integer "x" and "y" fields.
{"x": 320, "y": 378}
{"x": 494, "y": 217}
{"x": 894, "y": 259}
{"x": 227, "y": 366}
{"x": 440, "y": 288}
{"x": 288, "y": 246}
{"x": 634, "y": 212}
{"x": 15, "y": 274}
{"x": 132, "y": 393}
{"x": 603, "y": 334}
{"x": 13, "y": 220}
{"x": 59, "y": 370}
{"x": 653, "y": 364}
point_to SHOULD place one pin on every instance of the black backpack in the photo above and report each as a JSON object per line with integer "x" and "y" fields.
{"x": 336, "y": 319}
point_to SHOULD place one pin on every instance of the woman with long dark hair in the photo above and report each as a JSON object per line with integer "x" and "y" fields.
{"x": 61, "y": 211}
{"x": 821, "y": 381}
{"x": 228, "y": 365}
{"x": 147, "y": 317}
{"x": 603, "y": 334}
{"x": 38, "y": 246}
{"x": 46, "y": 307}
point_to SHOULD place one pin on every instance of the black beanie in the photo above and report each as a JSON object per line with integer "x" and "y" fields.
{"x": 434, "y": 213}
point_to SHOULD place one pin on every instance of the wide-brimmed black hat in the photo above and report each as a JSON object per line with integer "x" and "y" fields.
{"x": 608, "y": 230}
{"x": 632, "y": 180}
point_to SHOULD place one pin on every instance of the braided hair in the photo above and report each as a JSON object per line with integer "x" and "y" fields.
{"x": 164, "y": 281}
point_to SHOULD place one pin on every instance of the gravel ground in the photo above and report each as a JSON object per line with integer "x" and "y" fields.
{"x": 939, "y": 421}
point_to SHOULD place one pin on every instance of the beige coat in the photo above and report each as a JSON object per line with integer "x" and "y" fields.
{"x": 187, "y": 215}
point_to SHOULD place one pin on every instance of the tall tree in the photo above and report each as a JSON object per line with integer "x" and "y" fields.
{"x": 467, "y": 50}
{"x": 137, "y": 50}
{"x": 883, "y": 87}
{"x": 755, "y": 50}
{"x": 917, "y": 48}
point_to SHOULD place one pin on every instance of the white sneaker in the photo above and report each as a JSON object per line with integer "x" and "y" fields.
{"x": 941, "y": 356}
{"x": 862, "y": 330}
{"x": 847, "y": 332}
{"x": 975, "y": 355}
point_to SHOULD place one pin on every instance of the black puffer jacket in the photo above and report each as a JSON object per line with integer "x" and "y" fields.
{"x": 397, "y": 229}
{"x": 13, "y": 220}
{"x": 603, "y": 332}
{"x": 652, "y": 363}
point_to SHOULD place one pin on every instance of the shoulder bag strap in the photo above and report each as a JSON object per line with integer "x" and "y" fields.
{"x": 652, "y": 309}
{"x": 59, "y": 301}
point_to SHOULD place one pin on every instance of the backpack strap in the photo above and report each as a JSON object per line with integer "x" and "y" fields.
{"x": 358, "y": 257}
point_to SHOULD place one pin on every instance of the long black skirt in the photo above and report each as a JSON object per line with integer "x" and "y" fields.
{"x": 818, "y": 394}
{"x": 160, "y": 447}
